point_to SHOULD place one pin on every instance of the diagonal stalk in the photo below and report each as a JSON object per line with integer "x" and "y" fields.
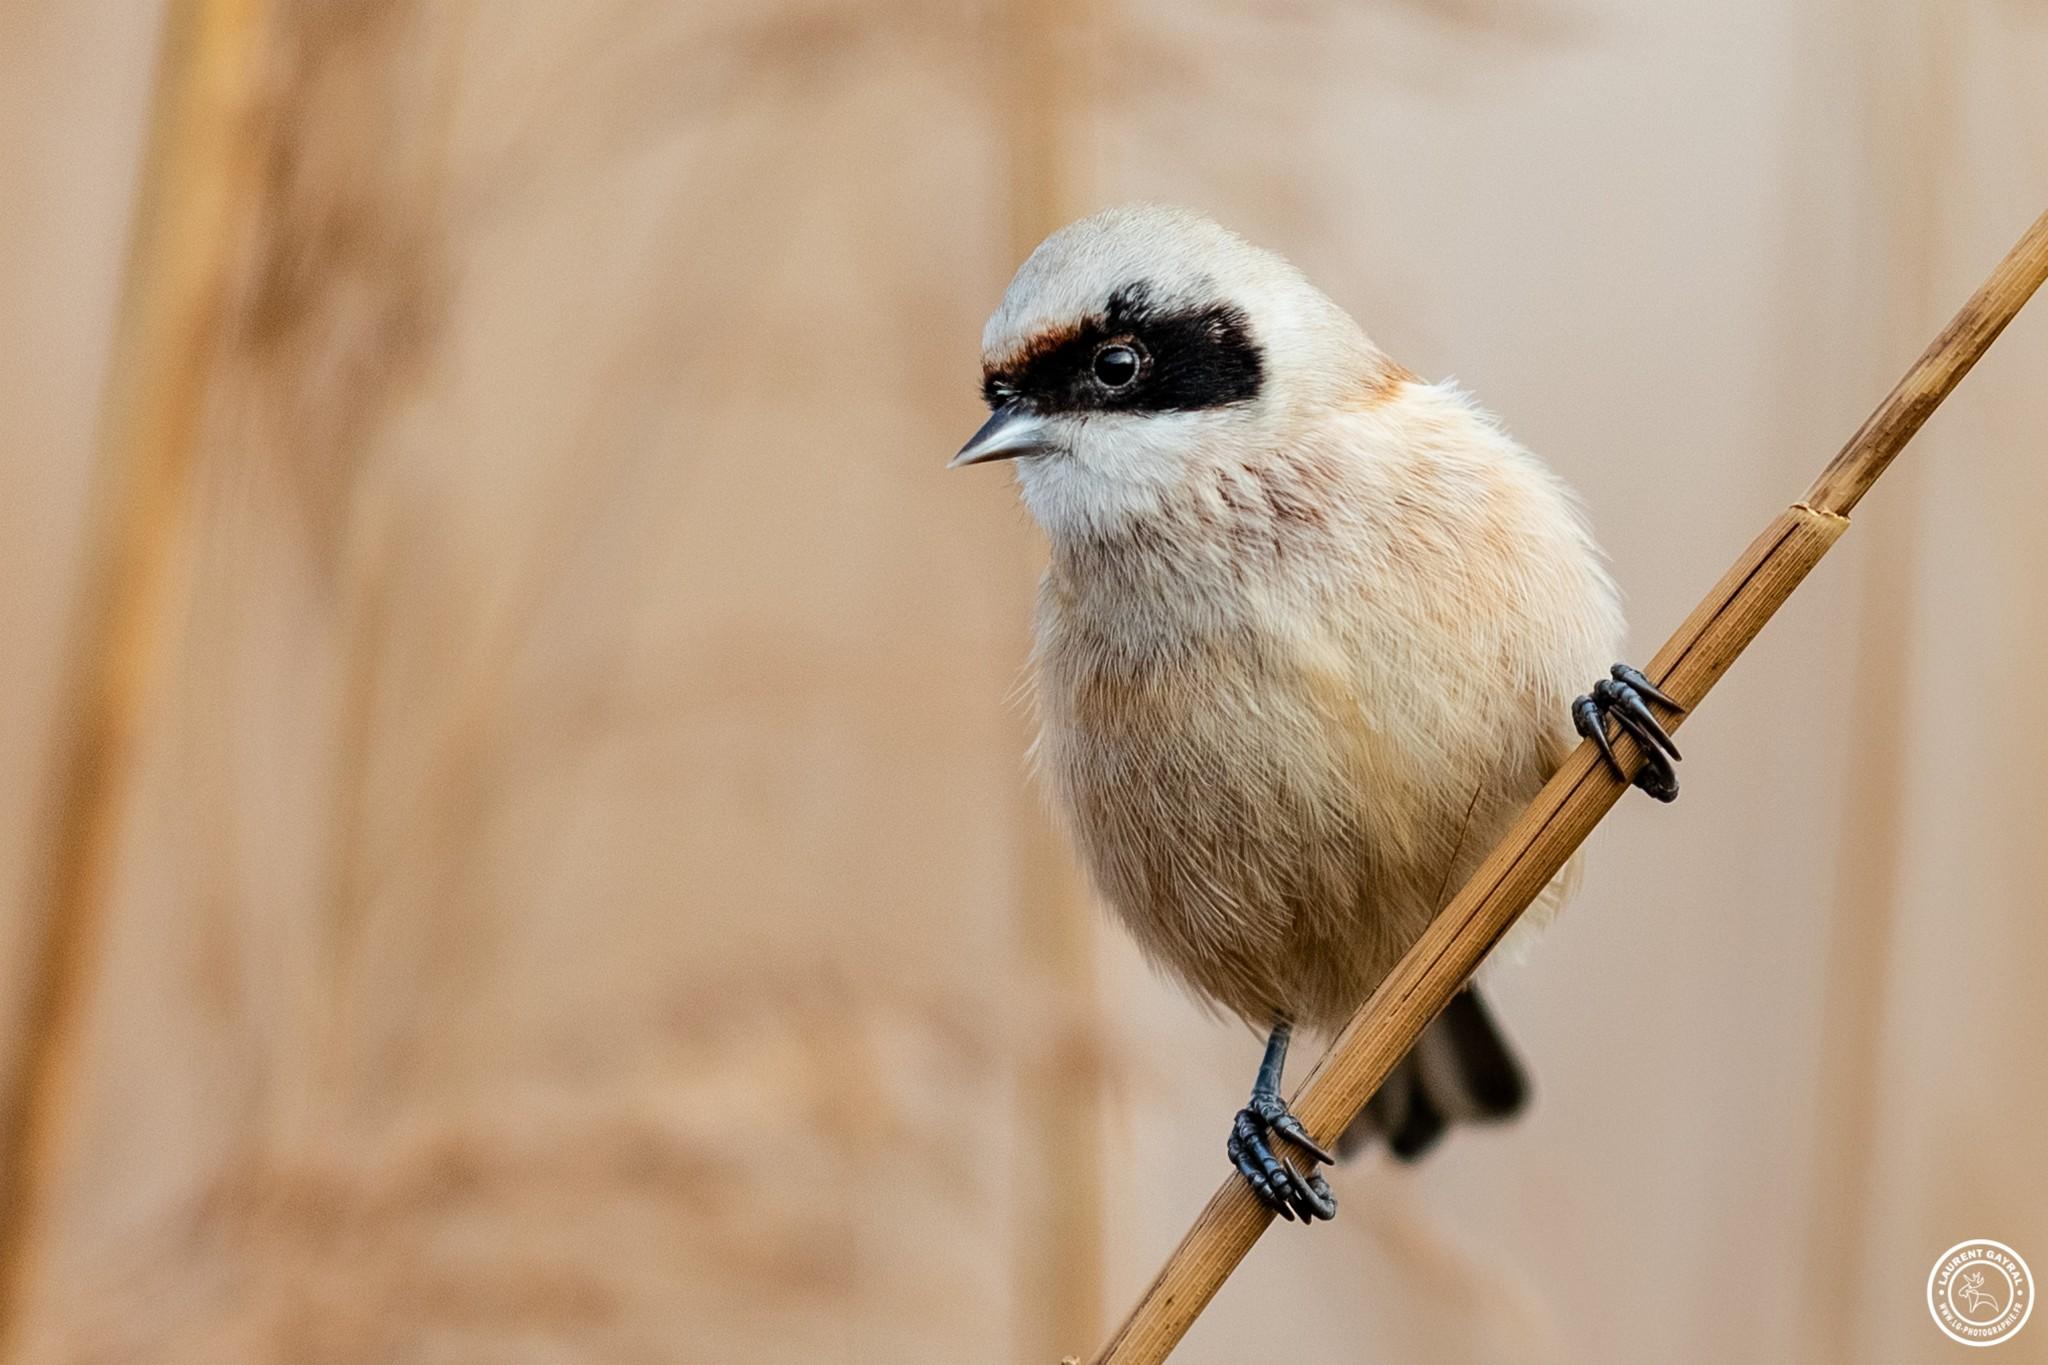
{"x": 1581, "y": 791}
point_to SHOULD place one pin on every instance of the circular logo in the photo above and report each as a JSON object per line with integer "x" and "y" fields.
{"x": 1980, "y": 1292}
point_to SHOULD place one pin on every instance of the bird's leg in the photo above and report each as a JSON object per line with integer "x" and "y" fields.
{"x": 1625, "y": 695}
{"x": 1277, "y": 1182}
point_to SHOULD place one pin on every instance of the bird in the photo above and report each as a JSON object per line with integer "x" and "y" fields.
{"x": 1311, "y": 632}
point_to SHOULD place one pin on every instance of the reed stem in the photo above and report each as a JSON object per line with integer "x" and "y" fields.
{"x": 1576, "y": 797}
{"x": 196, "y": 174}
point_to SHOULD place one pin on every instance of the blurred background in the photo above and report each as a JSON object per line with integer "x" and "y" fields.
{"x": 514, "y": 838}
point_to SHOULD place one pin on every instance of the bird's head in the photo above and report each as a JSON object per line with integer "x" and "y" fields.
{"x": 1145, "y": 348}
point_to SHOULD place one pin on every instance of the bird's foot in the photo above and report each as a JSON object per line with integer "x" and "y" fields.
{"x": 1625, "y": 695}
{"x": 1279, "y": 1183}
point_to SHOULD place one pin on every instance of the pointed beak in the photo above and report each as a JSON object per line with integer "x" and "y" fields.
{"x": 1009, "y": 433}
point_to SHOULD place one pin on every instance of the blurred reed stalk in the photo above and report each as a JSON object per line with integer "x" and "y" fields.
{"x": 197, "y": 174}
{"x": 1565, "y": 811}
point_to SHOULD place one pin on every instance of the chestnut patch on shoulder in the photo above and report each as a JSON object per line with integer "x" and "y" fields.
{"x": 1191, "y": 358}
{"x": 1382, "y": 385}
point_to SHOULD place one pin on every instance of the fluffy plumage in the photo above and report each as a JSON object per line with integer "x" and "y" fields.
{"x": 1301, "y": 653}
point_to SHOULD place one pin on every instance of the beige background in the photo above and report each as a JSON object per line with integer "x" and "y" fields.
{"x": 573, "y": 892}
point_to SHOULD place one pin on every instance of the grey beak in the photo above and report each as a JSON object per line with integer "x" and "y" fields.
{"x": 1008, "y": 433}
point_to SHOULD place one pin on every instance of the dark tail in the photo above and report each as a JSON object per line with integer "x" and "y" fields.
{"x": 1459, "y": 1071}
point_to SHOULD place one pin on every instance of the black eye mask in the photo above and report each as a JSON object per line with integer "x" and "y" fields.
{"x": 1192, "y": 359}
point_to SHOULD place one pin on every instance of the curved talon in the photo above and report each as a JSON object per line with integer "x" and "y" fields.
{"x": 1628, "y": 706}
{"x": 1632, "y": 677}
{"x": 1260, "y": 1167}
{"x": 1312, "y": 1194}
{"x": 1281, "y": 1119}
{"x": 1620, "y": 696}
{"x": 1586, "y": 720}
{"x": 1656, "y": 778}
{"x": 1645, "y": 735}
{"x": 1261, "y": 1187}
{"x": 1254, "y": 1177}
{"x": 1278, "y": 1183}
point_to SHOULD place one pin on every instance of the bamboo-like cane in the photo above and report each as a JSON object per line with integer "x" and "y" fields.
{"x": 1574, "y": 800}
{"x": 195, "y": 175}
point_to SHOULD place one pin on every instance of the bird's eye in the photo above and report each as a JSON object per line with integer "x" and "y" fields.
{"x": 1117, "y": 365}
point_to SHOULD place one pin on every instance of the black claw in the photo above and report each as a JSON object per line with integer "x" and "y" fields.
{"x": 1261, "y": 1167}
{"x": 1299, "y": 1201}
{"x": 1622, "y": 673}
{"x": 1645, "y": 733}
{"x": 1586, "y": 719}
{"x": 1620, "y": 696}
{"x": 1656, "y": 775}
{"x": 1655, "y": 778}
{"x": 1288, "y": 1126}
{"x": 1256, "y": 1178}
{"x": 1629, "y": 706}
{"x": 1313, "y": 1199}
{"x": 1278, "y": 1183}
